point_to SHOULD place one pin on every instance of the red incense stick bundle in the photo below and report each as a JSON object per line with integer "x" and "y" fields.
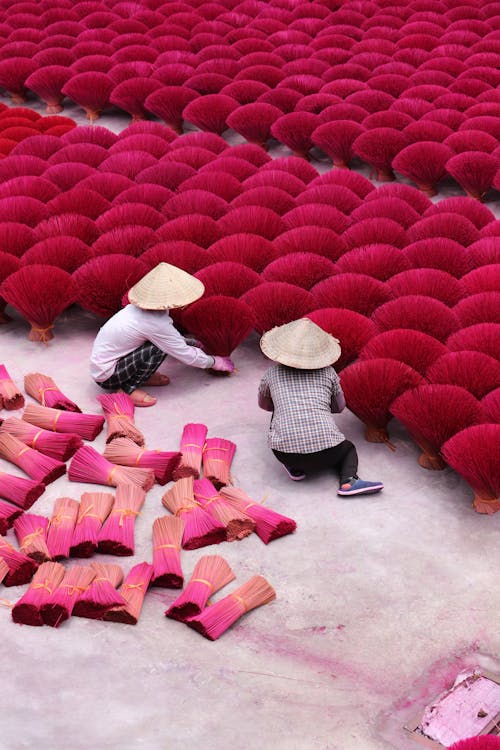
{"x": 39, "y": 467}
{"x": 10, "y": 394}
{"x": 167, "y": 538}
{"x": 125, "y": 452}
{"x": 88, "y": 426}
{"x": 217, "y": 457}
{"x": 101, "y": 595}
{"x": 237, "y": 523}
{"x": 210, "y": 574}
{"x": 45, "y": 391}
{"x": 200, "y": 528}
{"x": 269, "y": 524}
{"x": 58, "y": 445}
{"x": 60, "y": 603}
{"x": 61, "y": 527}
{"x": 8, "y": 515}
{"x": 119, "y": 412}
{"x": 31, "y": 532}
{"x": 116, "y": 536}
{"x": 22, "y": 492}
{"x": 216, "y": 619}
{"x": 133, "y": 591}
{"x": 46, "y": 579}
{"x": 93, "y": 510}
{"x": 87, "y": 465}
{"x": 191, "y": 447}
{"x": 21, "y": 567}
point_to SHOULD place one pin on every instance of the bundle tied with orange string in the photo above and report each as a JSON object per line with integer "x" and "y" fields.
{"x": 116, "y": 536}
{"x": 31, "y": 532}
{"x": 133, "y": 591}
{"x": 59, "y": 605}
{"x": 119, "y": 412}
{"x": 101, "y": 595}
{"x": 87, "y": 465}
{"x": 213, "y": 621}
{"x": 167, "y": 539}
{"x": 37, "y": 466}
{"x": 61, "y": 527}
{"x": 45, "y": 581}
{"x": 210, "y": 574}
{"x": 93, "y": 510}
{"x": 8, "y": 514}
{"x": 269, "y": 524}
{"x": 125, "y": 452}
{"x": 200, "y": 529}
{"x": 58, "y": 445}
{"x": 191, "y": 446}
{"x": 88, "y": 426}
{"x": 21, "y": 567}
{"x": 217, "y": 457}
{"x": 22, "y": 492}
{"x": 43, "y": 389}
{"x": 10, "y": 395}
{"x": 238, "y": 524}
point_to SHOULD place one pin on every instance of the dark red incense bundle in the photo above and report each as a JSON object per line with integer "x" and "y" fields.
{"x": 46, "y": 579}
{"x": 10, "y": 395}
{"x": 479, "y": 373}
{"x": 8, "y": 515}
{"x": 125, "y": 452}
{"x": 491, "y": 405}
{"x": 416, "y": 349}
{"x": 352, "y": 329}
{"x": 237, "y": 524}
{"x": 419, "y": 312}
{"x": 101, "y": 595}
{"x": 116, "y": 537}
{"x": 31, "y": 533}
{"x": 354, "y": 291}
{"x": 220, "y": 322}
{"x": 62, "y": 524}
{"x": 8, "y": 264}
{"x": 424, "y": 163}
{"x": 57, "y": 445}
{"x": 103, "y": 281}
{"x": 43, "y": 389}
{"x": 133, "y": 591}
{"x": 191, "y": 447}
{"x": 21, "y": 567}
{"x": 218, "y": 454}
{"x": 93, "y": 510}
{"x": 87, "y": 465}
{"x": 269, "y": 524}
{"x": 87, "y": 426}
{"x": 167, "y": 538}
{"x": 210, "y": 574}
{"x": 276, "y": 302}
{"x": 119, "y": 412}
{"x": 200, "y": 528}
{"x": 37, "y": 466}
{"x": 59, "y": 605}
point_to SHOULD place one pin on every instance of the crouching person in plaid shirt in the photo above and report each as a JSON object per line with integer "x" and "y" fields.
{"x": 302, "y": 390}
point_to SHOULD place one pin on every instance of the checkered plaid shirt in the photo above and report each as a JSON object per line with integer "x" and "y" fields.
{"x": 302, "y": 402}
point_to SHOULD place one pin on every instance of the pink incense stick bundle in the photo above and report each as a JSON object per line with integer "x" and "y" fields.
{"x": 88, "y": 426}
{"x": 101, "y": 595}
{"x": 39, "y": 467}
{"x": 125, "y": 452}
{"x": 200, "y": 529}
{"x": 216, "y": 619}
{"x": 10, "y": 395}
{"x": 217, "y": 456}
{"x": 191, "y": 446}
{"x": 119, "y": 411}
{"x": 167, "y": 538}
{"x": 4, "y": 569}
{"x": 58, "y": 445}
{"x": 116, "y": 536}
{"x": 210, "y": 574}
{"x": 60, "y": 603}
{"x": 8, "y": 515}
{"x": 93, "y": 510}
{"x": 269, "y": 524}
{"x": 237, "y": 523}
{"x": 133, "y": 591}
{"x": 61, "y": 527}
{"x": 46, "y": 579}
{"x": 87, "y": 465}
{"x": 22, "y": 492}
{"x": 31, "y": 532}
{"x": 45, "y": 391}
{"x": 21, "y": 567}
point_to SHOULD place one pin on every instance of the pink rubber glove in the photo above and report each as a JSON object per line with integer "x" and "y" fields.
{"x": 223, "y": 364}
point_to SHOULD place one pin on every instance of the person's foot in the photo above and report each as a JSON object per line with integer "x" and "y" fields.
{"x": 295, "y": 474}
{"x": 141, "y": 398}
{"x": 359, "y": 487}
{"x": 157, "y": 379}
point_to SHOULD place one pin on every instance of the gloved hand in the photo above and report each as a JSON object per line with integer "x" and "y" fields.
{"x": 223, "y": 364}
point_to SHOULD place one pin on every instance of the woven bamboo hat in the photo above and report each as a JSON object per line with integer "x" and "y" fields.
{"x": 301, "y": 344}
{"x": 165, "y": 287}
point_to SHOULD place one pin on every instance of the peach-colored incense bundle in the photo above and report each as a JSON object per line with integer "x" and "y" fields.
{"x": 191, "y": 446}
{"x": 133, "y": 591}
{"x": 4, "y": 569}
{"x": 87, "y": 465}
{"x": 119, "y": 412}
{"x": 88, "y": 426}
{"x": 210, "y": 574}
{"x": 31, "y": 532}
{"x": 37, "y": 466}
{"x": 124, "y": 452}
{"x": 237, "y": 523}
{"x": 167, "y": 539}
{"x": 101, "y": 595}
{"x": 21, "y": 567}
{"x": 45, "y": 391}
{"x": 269, "y": 524}
{"x": 45, "y": 581}
{"x": 93, "y": 510}
{"x": 22, "y": 492}
{"x": 10, "y": 395}
{"x": 116, "y": 536}
{"x": 59, "y": 605}
{"x": 58, "y": 445}
{"x": 61, "y": 527}
{"x": 200, "y": 529}
{"x": 217, "y": 457}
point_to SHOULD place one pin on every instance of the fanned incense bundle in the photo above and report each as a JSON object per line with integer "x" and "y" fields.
{"x": 200, "y": 528}
{"x": 116, "y": 536}
{"x": 191, "y": 447}
{"x": 125, "y": 452}
{"x": 21, "y": 492}
{"x": 46, "y": 579}
{"x": 269, "y": 524}
{"x": 31, "y": 533}
{"x": 101, "y": 595}
{"x": 88, "y": 426}
{"x": 10, "y": 394}
{"x": 45, "y": 391}
{"x": 133, "y": 591}
{"x": 21, "y": 567}
{"x": 167, "y": 538}
{"x": 93, "y": 510}
{"x": 119, "y": 411}
{"x": 87, "y": 465}
{"x": 8, "y": 515}
{"x": 39, "y": 467}
{"x": 60, "y": 603}
{"x": 58, "y": 445}
{"x": 62, "y": 524}
{"x": 237, "y": 524}
{"x": 216, "y": 619}
{"x": 217, "y": 456}
{"x": 210, "y": 574}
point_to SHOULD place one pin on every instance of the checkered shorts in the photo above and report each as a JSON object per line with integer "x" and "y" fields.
{"x": 134, "y": 368}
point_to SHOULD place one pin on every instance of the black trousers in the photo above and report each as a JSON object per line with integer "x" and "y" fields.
{"x": 134, "y": 368}
{"x": 343, "y": 458}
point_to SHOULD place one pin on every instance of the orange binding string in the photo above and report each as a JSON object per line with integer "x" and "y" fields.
{"x": 241, "y": 601}
{"x": 41, "y": 392}
{"x": 203, "y": 580}
{"x": 30, "y": 538}
{"x": 36, "y": 436}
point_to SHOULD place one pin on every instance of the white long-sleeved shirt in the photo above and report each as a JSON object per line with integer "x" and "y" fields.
{"x": 130, "y": 328}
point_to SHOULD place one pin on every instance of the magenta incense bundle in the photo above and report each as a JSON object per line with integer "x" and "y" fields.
{"x": 61, "y": 527}
{"x": 237, "y": 523}
{"x": 59, "y": 605}
{"x": 210, "y": 574}
{"x": 37, "y": 466}
{"x": 45, "y": 581}
{"x": 4, "y": 569}
{"x": 133, "y": 591}
{"x": 269, "y": 524}
{"x": 125, "y": 452}
{"x": 167, "y": 538}
{"x": 93, "y": 510}
{"x": 191, "y": 446}
{"x": 8, "y": 514}
{"x": 119, "y": 412}
{"x": 10, "y": 395}
{"x": 101, "y": 595}
{"x": 213, "y": 621}
{"x": 87, "y": 465}
{"x": 88, "y": 426}
{"x": 31, "y": 532}
{"x": 45, "y": 391}
{"x": 22, "y": 492}
{"x": 21, "y": 567}
{"x": 58, "y": 445}
{"x": 200, "y": 529}
{"x": 116, "y": 536}
{"x": 217, "y": 458}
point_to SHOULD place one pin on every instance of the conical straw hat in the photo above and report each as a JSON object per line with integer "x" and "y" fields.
{"x": 165, "y": 287}
{"x": 300, "y": 344}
